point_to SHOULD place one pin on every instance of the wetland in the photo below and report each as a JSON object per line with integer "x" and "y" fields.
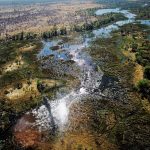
{"x": 82, "y": 88}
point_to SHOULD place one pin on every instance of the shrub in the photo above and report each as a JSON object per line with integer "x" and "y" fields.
{"x": 147, "y": 72}
{"x": 144, "y": 88}
{"x": 134, "y": 47}
{"x": 138, "y": 58}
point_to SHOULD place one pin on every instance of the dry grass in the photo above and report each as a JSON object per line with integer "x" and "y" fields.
{"x": 24, "y": 133}
{"x": 13, "y": 65}
{"x": 129, "y": 54}
{"x": 146, "y": 105}
{"x": 138, "y": 74}
{"x": 40, "y": 17}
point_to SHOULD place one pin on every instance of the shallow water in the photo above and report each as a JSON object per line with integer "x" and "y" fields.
{"x": 47, "y": 50}
{"x": 106, "y": 31}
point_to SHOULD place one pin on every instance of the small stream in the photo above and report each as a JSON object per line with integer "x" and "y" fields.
{"x": 89, "y": 77}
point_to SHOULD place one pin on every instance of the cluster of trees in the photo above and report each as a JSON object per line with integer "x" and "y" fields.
{"x": 80, "y": 28}
{"x": 101, "y": 21}
{"x": 143, "y": 13}
{"x": 92, "y": 25}
{"x": 87, "y": 26}
{"x": 21, "y": 36}
{"x": 143, "y": 54}
{"x": 54, "y": 32}
{"x": 29, "y": 36}
{"x": 144, "y": 88}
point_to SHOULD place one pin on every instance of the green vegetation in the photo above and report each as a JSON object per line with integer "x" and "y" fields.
{"x": 136, "y": 42}
{"x": 100, "y": 21}
{"x": 7, "y": 53}
{"x": 142, "y": 13}
{"x": 147, "y": 72}
{"x": 144, "y": 87}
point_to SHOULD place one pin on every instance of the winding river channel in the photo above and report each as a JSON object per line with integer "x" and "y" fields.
{"x": 56, "y": 113}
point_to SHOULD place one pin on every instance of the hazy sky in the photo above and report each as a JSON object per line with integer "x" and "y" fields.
{"x": 6, "y": 2}
{"x": 13, "y": 1}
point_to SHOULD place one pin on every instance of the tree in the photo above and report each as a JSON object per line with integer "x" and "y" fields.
{"x": 144, "y": 88}
{"x": 134, "y": 47}
{"x": 147, "y": 72}
{"x": 63, "y": 31}
{"x": 22, "y": 36}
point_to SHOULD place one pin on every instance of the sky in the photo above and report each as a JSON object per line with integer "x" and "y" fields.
{"x": 10, "y": 2}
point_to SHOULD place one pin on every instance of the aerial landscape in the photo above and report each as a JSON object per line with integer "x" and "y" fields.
{"x": 74, "y": 75}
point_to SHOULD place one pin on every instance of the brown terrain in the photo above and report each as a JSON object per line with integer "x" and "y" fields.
{"x": 41, "y": 17}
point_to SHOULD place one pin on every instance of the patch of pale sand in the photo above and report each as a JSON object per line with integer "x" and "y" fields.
{"x": 27, "y": 48}
{"x": 14, "y": 65}
{"x": 51, "y": 83}
{"x": 29, "y": 90}
{"x": 138, "y": 74}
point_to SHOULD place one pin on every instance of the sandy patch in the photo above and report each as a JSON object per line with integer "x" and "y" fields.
{"x": 27, "y": 90}
{"x": 27, "y": 48}
{"x": 138, "y": 74}
{"x": 14, "y": 65}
